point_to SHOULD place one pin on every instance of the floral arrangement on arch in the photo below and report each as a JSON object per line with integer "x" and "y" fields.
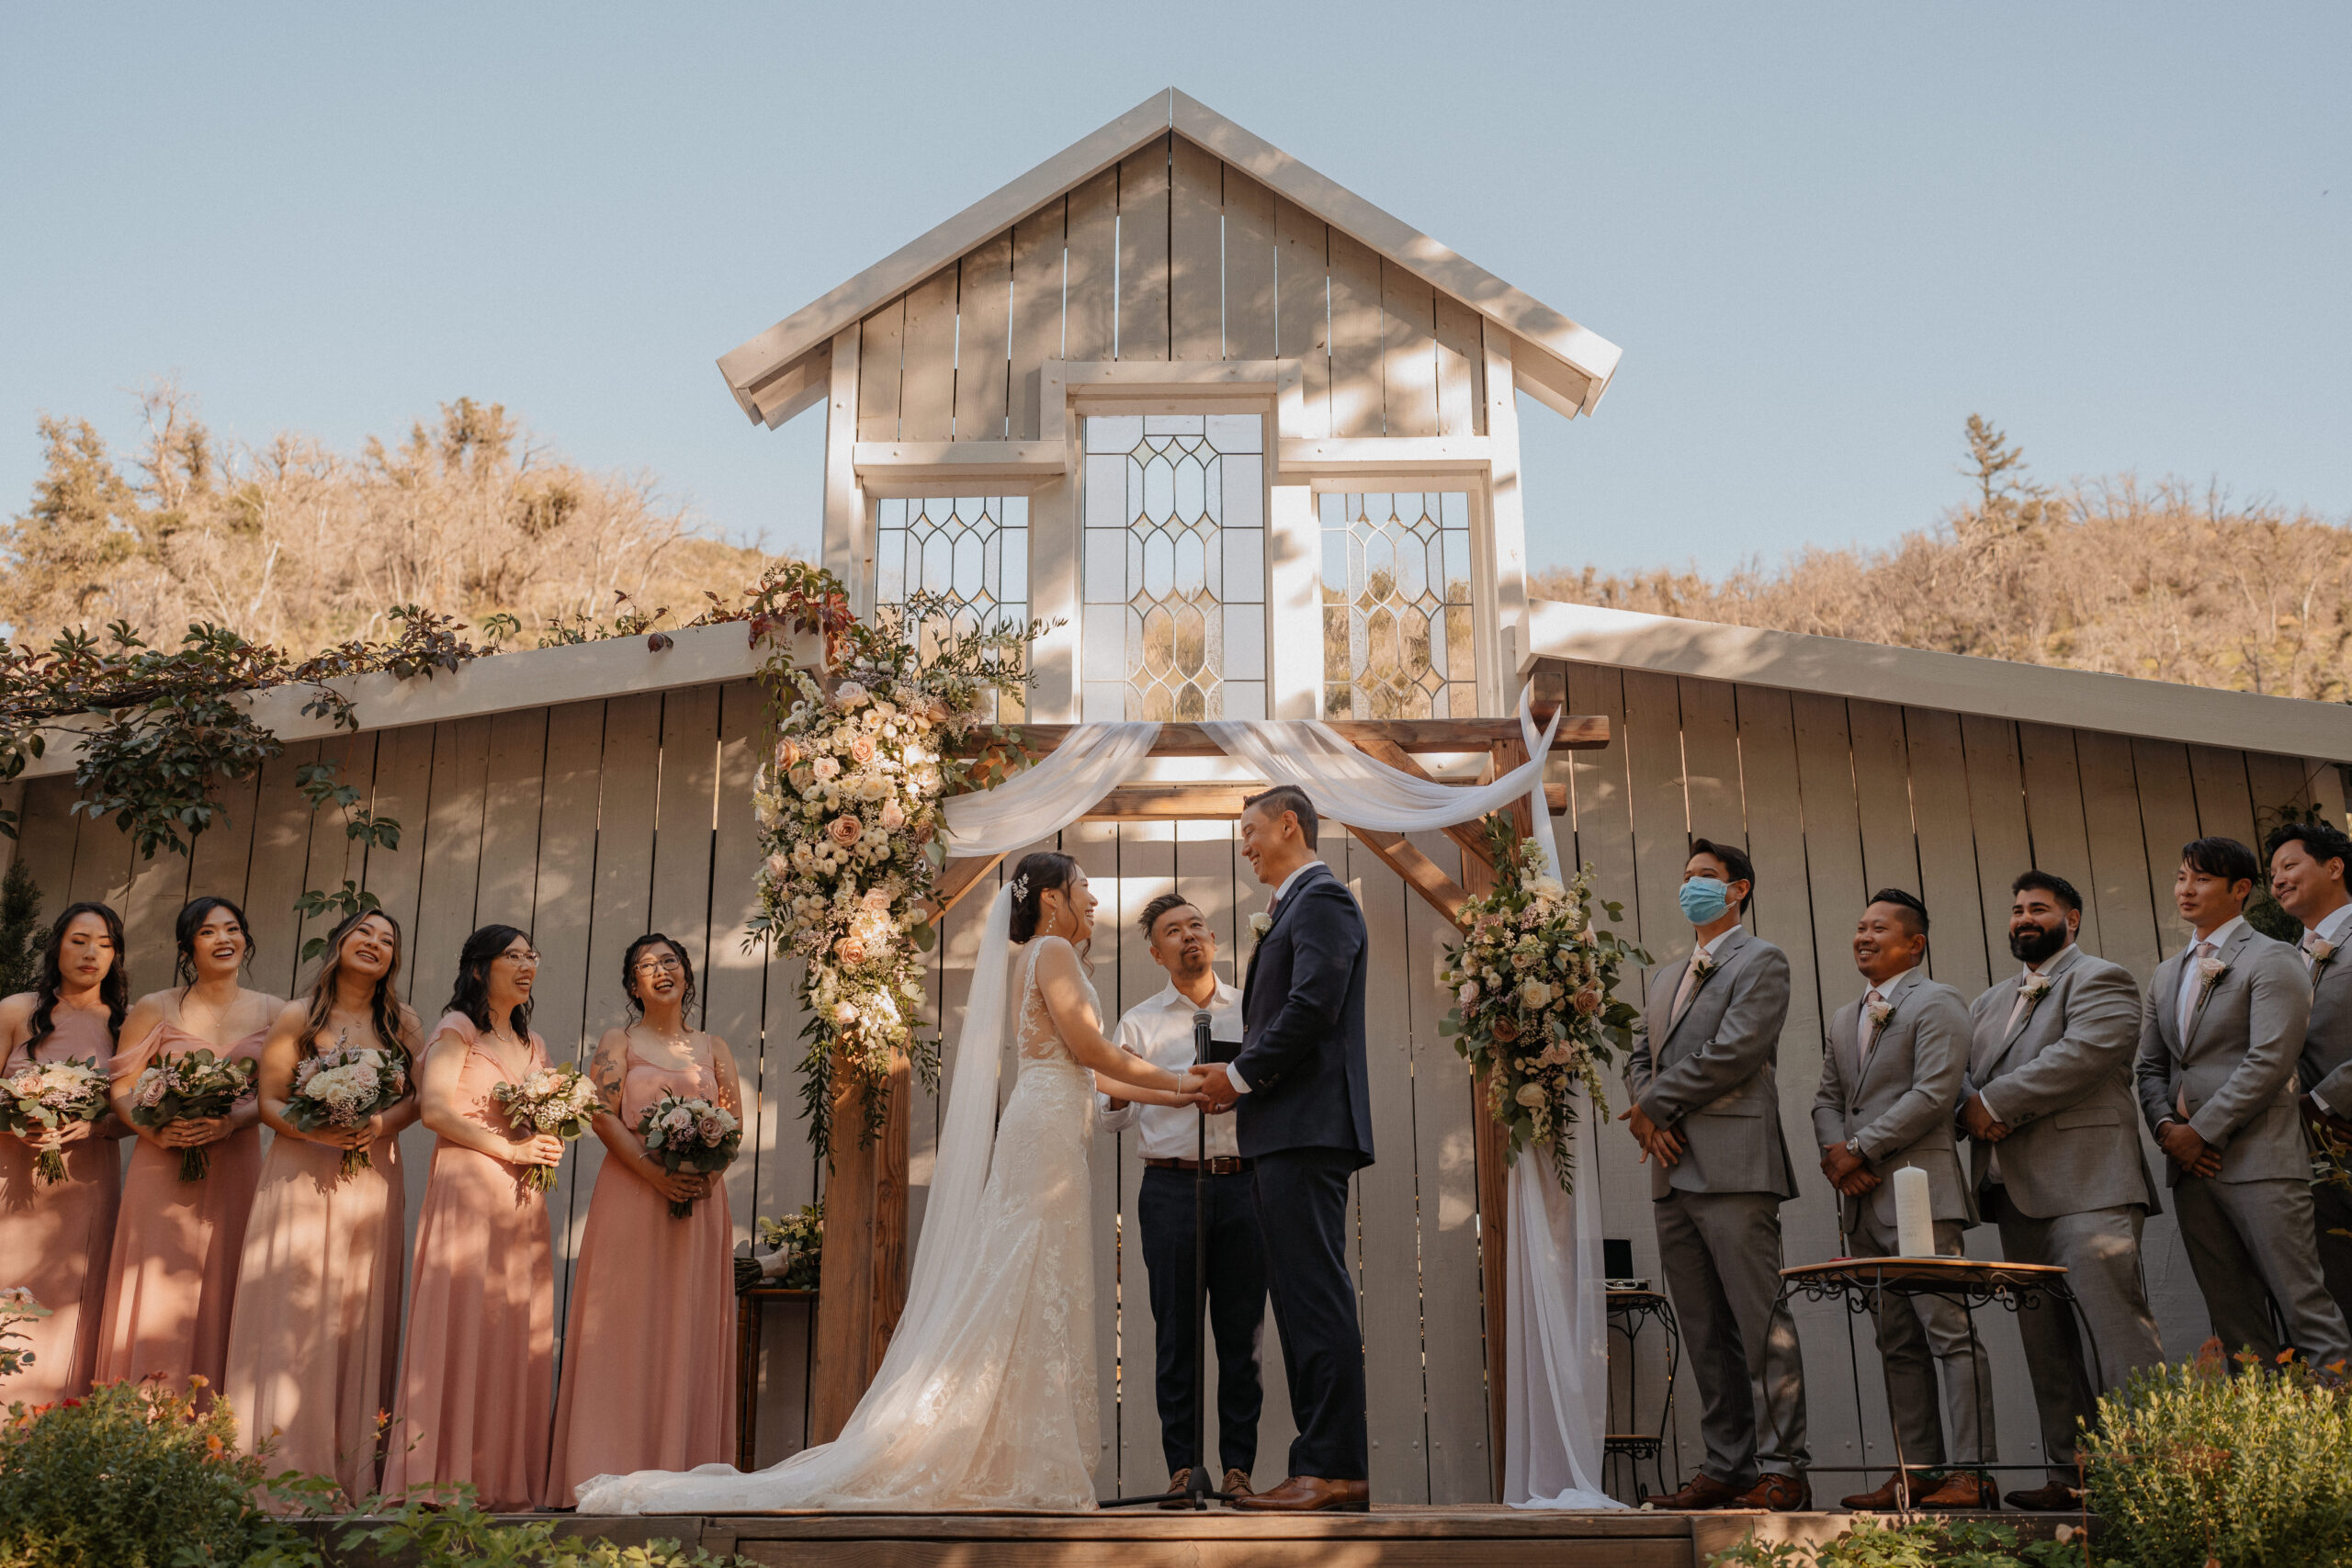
{"x": 848, "y": 799}
{"x": 1533, "y": 983}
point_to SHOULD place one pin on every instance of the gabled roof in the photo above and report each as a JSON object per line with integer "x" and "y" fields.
{"x": 772, "y": 374}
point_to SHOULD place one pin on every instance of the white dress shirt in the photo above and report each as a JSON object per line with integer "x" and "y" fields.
{"x": 1280, "y": 894}
{"x": 2331, "y": 928}
{"x": 1689, "y": 987}
{"x": 1160, "y": 1031}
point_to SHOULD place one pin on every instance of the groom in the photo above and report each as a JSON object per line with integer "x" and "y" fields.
{"x": 1304, "y": 1121}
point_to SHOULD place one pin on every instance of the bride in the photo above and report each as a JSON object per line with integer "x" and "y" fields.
{"x": 987, "y": 1397}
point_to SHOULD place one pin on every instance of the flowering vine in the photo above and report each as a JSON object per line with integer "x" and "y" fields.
{"x": 1533, "y": 986}
{"x": 848, "y": 798}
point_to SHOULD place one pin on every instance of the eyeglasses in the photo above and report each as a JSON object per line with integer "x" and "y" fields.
{"x": 526, "y": 956}
{"x": 665, "y": 965}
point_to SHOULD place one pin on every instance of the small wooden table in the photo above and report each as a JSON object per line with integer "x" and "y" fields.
{"x": 748, "y": 1305}
{"x": 1973, "y": 1282}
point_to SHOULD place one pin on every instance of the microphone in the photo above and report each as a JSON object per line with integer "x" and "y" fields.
{"x": 1200, "y": 1025}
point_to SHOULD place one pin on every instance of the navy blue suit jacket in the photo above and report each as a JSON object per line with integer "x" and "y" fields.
{"x": 1303, "y": 1026}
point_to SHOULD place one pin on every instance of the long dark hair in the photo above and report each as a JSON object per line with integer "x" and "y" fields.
{"x": 470, "y": 995}
{"x": 628, "y": 974}
{"x": 1036, "y": 874}
{"x": 191, "y": 920}
{"x": 114, "y": 986}
{"x": 383, "y": 1005}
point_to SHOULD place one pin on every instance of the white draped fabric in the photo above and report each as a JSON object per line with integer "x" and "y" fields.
{"x": 1556, "y": 1350}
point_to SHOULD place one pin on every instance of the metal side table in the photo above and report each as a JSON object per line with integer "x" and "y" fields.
{"x": 1631, "y": 1312}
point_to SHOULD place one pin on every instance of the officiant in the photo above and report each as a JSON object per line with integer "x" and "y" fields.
{"x": 1160, "y": 1030}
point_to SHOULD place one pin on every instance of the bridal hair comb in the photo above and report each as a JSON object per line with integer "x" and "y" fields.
{"x": 1020, "y": 890}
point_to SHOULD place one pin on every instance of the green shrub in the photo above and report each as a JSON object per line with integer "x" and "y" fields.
{"x": 452, "y": 1531}
{"x": 1921, "y": 1543}
{"x": 130, "y": 1477}
{"x": 2192, "y": 1466}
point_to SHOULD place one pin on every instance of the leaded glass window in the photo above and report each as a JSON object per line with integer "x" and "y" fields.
{"x": 1174, "y": 567}
{"x": 970, "y": 549}
{"x": 1396, "y": 639}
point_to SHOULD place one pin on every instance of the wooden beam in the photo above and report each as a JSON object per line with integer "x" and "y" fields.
{"x": 1222, "y": 802}
{"x": 1424, "y": 876}
{"x": 863, "y": 1285}
{"x": 1578, "y": 732}
{"x": 957, "y": 878}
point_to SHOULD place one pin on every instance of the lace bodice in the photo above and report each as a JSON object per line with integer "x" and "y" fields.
{"x": 1033, "y": 1033}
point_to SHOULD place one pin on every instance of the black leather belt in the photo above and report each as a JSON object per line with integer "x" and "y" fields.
{"x": 1220, "y": 1165}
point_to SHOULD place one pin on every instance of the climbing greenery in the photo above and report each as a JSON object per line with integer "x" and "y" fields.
{"x": 161, "y": 730}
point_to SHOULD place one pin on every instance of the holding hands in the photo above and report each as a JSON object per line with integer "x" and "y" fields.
{"x": 2187, "y": 1149}
{"x": 1664, "y": 1144}
{"x": 1216, "y": 1094}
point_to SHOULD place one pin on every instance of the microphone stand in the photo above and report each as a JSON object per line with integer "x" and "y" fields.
{"x": 1198, "y": 1492}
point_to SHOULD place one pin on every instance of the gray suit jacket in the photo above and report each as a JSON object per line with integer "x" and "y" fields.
{"x": 2237, "y": 1065}
{"x": 1710, "y": 1074}
{"x": 1899, "y": 1103}
{"x": 2326, "y": 1065}
{"x": 2061, "y": 1080}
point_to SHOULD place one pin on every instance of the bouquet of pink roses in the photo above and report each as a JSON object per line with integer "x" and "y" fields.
{"x": 690, "y": 1134}
{"x": 345, "y": 1086}
{"x": 552, "y": 1099}
{"x": 48, "y": 1096}
{"x": 187, "y": 1086}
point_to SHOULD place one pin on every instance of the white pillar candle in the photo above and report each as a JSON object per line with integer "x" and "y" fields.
{"x": 1915, "y": 1213}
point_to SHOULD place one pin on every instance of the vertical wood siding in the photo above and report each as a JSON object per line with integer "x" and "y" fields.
{"x": 1171, "y": 255}
{"x": 590, "y": 822}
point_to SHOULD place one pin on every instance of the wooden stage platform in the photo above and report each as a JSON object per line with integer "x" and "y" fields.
{"x": 1484, "y": 1536}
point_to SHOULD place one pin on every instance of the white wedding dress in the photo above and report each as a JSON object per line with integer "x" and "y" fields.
{"x": 987, "y": 1397}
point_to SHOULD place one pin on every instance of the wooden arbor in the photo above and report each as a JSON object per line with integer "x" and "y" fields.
{"x": 864, "y": 1285}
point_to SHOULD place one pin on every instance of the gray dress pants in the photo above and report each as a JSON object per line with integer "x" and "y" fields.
{"x": 1721, "y": 1255}
{"x": 1916, "y": 1336}
{"x": 2100, "y": 1250}
{"x": 2246, "y": 1238}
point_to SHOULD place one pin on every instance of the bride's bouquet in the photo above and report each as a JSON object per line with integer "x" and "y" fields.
{"x": 48, "y": 1096}
{"x": 689, "y": 1134}
{"x": 343, "y": 1088}
{"x": 188, "y": 1086}
{"x": 552, "y": 1099}
{"x": 1533, "y": 983}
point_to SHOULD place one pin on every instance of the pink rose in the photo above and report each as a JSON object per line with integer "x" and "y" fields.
{"x": 848, "y": 694}
{"x": 845, "y": 830}
{"x": 779, "y": 867}
{"x": 825, "y": 769}
{"x": 894, "y": 816}
{"x": 787, "y": 754}
{"x": 862, "y": 749}
{"x": 850, "y": 951}
{"x": 877, "y": 900}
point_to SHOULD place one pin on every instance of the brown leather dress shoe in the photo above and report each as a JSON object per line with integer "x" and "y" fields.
{"x": 2055, "y": 1499}
{"x": 1702, "y": 1491}
{"x": 1311, "y": 1495}
{"x": 1963, "y": 1489}
{"x": 1237, "y": 1484}
{"x": 1176, "y": 1485}
{"x": 1781, "y": 1494}
{"x": 1892, "y": 1498}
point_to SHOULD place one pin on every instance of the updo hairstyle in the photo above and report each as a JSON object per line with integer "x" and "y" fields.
{"x": 1047, "y": 869}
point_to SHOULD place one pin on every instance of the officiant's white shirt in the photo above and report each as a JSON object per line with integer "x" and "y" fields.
{"x": 1160, "y": 1031}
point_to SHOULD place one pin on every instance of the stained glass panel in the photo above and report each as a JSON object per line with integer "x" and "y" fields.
{"x": 1396, "y": 639}
{"x": 972, "y": 550}
{"x": 1173, "y": 573}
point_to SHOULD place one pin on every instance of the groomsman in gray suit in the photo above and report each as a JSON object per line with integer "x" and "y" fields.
{"x": 1707, "y": 1108}
{"x": 2225, "y": 1024}
{"x": 1890, "y": 1085}
{"x": 2055, "y": 1161}
{"x": 2307, "y": 865}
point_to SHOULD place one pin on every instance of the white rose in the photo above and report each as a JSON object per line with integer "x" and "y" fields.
{"x": 1530, "y": 1095}
{"x": 1468, "y": 995}
{"x": 1534, "y": 994}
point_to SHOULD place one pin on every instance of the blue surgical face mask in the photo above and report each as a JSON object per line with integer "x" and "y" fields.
{"x": 1704, "y": 899}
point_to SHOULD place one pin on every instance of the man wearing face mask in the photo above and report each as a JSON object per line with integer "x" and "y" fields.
{"x": 2055, "y": 1159}
{"x": 1707, "y": 1110}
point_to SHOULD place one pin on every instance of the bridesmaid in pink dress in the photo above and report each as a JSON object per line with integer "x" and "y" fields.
{"x": 313, "y": 1347}
{"x": 178, "y": 1244}
{"x": 649, "y": 1350}
{"x": 55, "y": 1239}
{"x": 478, "y": 1363}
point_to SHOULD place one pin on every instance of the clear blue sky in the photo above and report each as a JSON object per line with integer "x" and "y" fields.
{"x": 1823, "y": 235}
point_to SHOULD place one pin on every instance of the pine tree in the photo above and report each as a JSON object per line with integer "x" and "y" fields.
{"x": 20, "y": 930}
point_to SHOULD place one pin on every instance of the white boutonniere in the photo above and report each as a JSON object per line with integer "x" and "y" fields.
{"x": 1260, "y": 924}
{"x": 2033, "y": 988}
{"x": 2209, "y": 975}
{"x": 2321, "y": 950}
{"x": 1702, "y": 967}
{"x": 1880, "y": 1011}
